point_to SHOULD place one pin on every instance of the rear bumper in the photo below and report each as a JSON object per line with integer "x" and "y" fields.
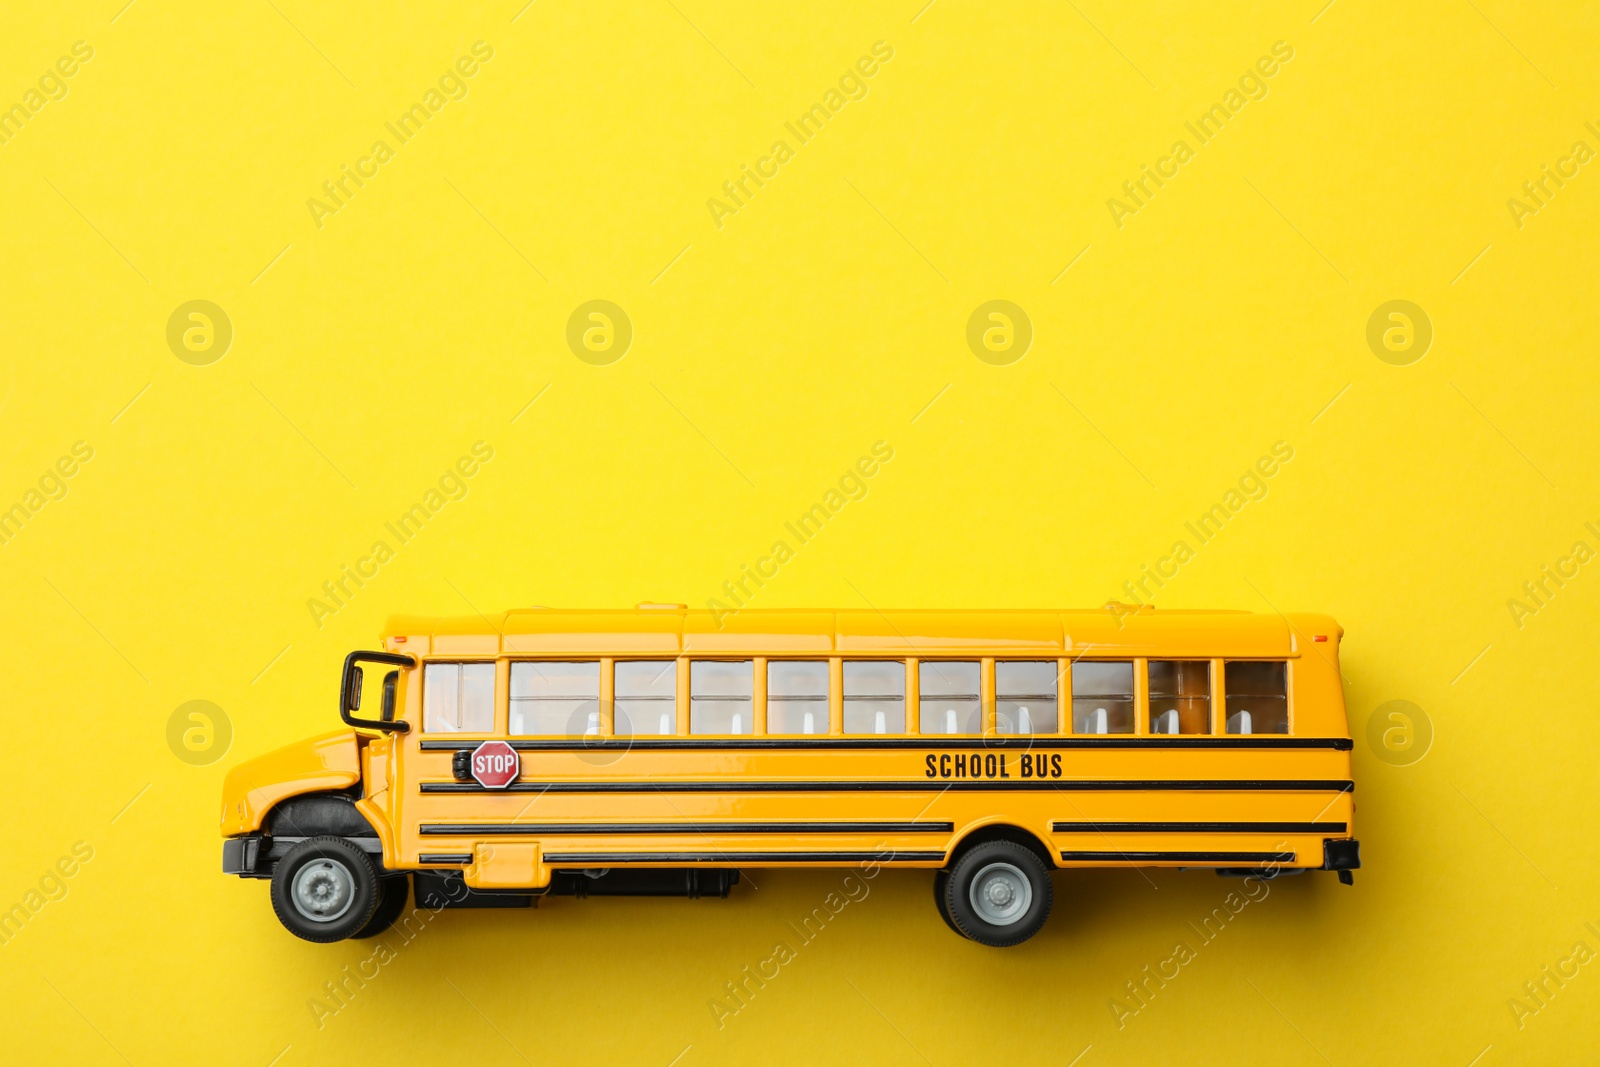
{"x": 1341, "y": 855}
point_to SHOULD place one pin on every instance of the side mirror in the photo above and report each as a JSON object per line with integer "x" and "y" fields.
{"x": 350, "y": 690}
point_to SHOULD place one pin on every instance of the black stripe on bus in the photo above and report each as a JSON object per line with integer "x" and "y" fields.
{"x": 596, "y": 859}
{"x": 1199, "y": 827}
{"x": 613, "y": 744}
{"x": 916, "y": 785}
{"x": 541, "y": 828}
{"x": 1183, "y": 857}
{"x": 445, "y": 857}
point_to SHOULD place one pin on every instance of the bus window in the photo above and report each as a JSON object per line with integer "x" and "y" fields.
{"x": 719, "y": 696}
{"x": 797, "y": 696}
{"x": 950, "y": 702}
{"x": 1102, "y": 697}
{"x": 458, "y": 698}
{"x": 1180, "y": 696}
{"x": 557, "y": 698}
{"x": 874, "y": 697}
{"x": 1257, "y": 697}
{"x": 646, "y": 697}
{"x": 1025, "y": 696}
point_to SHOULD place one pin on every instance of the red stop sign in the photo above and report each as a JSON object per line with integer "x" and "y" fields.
{"x": 495, "y": 764}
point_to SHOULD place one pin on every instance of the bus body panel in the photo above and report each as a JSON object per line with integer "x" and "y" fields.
{"x": 837, "y": 807}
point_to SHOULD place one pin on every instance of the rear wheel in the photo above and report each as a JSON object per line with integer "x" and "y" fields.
{"x": 392, "y": 894}
{"x": 998, "y": 894}
{"x": 941, "y": 879}
{"x": 325, "y": 889}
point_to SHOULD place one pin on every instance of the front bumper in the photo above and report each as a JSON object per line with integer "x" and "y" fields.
{"x": 243, "y": 856}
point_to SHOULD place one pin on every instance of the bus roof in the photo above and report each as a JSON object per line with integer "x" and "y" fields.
{"x": 671, "y": 630}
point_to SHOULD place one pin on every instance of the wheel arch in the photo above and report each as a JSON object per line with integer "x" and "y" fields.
{"x": 339, "y": 813}
{"x": 318, "y": 813}
{"x": 1001, "y": 831}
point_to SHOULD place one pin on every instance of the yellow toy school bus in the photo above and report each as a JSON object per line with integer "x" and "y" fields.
{"x": 659, "y": 750}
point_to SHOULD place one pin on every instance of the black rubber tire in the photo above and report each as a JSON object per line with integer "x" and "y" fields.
{"x": 393, "y": 892}
{"x": 965, "y": 917}
{"x": 940, "y": 880}
{"x": 363, "y": 886}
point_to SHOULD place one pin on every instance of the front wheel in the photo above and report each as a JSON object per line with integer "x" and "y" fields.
{"x": 998, "y": 894}
{"x": 325, "y": 889}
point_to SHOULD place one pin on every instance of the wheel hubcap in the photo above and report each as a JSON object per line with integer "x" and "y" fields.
{"x": 323, "y": 890}
{"x": 1001, "y": 894}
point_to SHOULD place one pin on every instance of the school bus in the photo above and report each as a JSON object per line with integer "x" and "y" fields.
{"x": 659, "y": 750}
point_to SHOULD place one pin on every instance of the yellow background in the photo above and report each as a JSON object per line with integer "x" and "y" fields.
{"x": 368, "y": 354}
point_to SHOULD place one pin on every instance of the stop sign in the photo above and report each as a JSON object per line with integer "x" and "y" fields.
{"x": 495, "y": 764}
